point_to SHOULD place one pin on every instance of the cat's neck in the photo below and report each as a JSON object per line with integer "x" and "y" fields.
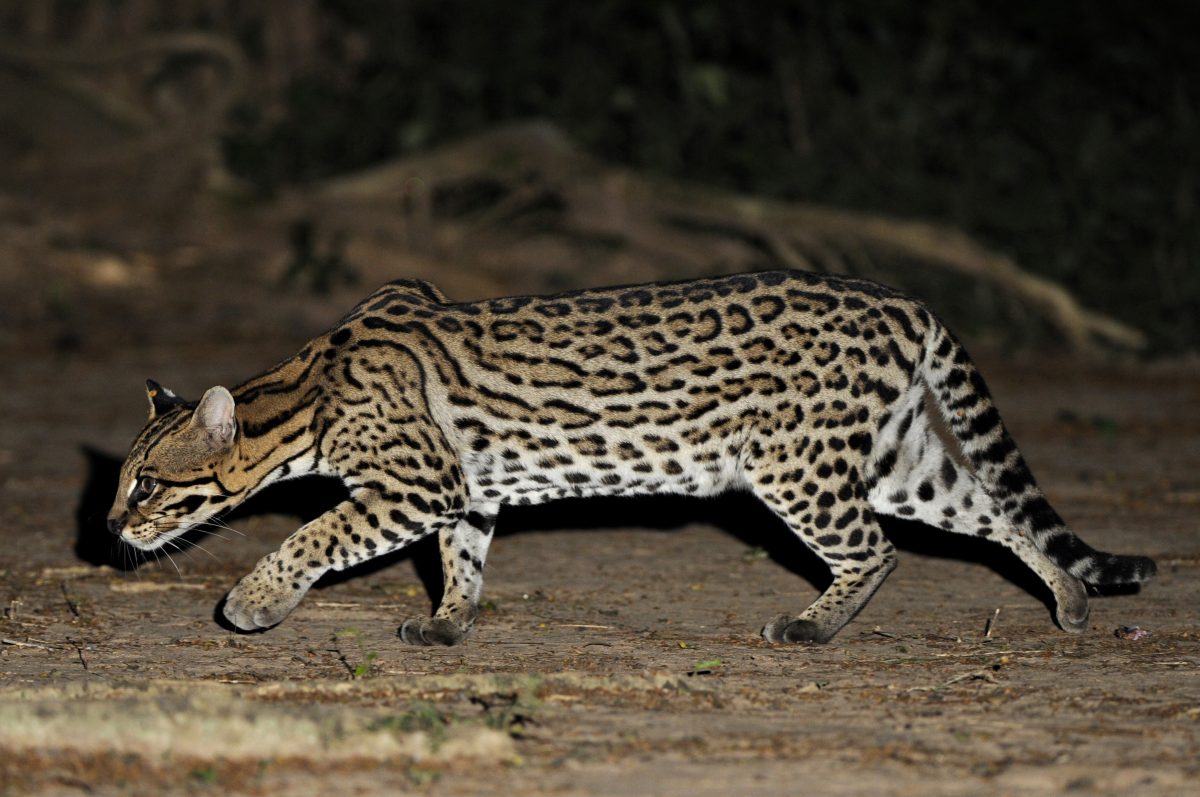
{"x": 276, "y": 413}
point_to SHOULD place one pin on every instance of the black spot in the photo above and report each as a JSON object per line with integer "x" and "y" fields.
{"x": 901, "y": 318}
{"x": 985, "y": 422}
{"x": 481, "y": 521}
{"x": 1016, "y": 479}
{"x": 925, "y": 491}
{"x": 886, "y": 392}
{"x": 1066, "y": 549}
{"x": 885, "y": 465}
{"x": 996, "y": 452}
{"x": 1040, "y": 514}
{"x": 860, "y": 441}
{"x": 954, "y": 379}
{"x": 949, "y": 473}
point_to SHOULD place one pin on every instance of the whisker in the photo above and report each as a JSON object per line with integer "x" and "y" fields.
{"x": 220, "y": 523}
{"x": 130, "y": 562}
{"x": 166, "y": 523}
{"x": 181, "y": 549}
{"x": 172, "y": 561}
{"x": 210, "y": 533}
{"x": 225, "y": 525}
{"x": 200, "y": 547}
{"x": 198, "y": 527}
{"x": 206, "y": 525}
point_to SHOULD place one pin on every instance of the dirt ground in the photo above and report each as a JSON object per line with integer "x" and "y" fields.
{"x": 618, "y": 650}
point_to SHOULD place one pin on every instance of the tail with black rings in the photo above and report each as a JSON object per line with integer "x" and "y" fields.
{"x": 965, "y": 402}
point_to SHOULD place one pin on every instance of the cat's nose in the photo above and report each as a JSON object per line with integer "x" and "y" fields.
{"x": 117, "y": 524}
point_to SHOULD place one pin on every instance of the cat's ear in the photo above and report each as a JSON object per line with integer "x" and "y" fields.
{"x": 161, "y": 398}
{"x": 214, "y": 418}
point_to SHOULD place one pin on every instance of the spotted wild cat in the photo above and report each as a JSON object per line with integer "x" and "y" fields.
{"x": 808, "y": 391}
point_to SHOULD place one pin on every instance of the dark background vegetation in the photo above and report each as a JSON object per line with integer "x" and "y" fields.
{"x": 1065, "y": 134}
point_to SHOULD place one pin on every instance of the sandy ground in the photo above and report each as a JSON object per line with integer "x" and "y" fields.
{"x": 618, "y": 652}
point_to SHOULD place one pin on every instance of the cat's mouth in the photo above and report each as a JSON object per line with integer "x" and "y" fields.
{"x": 152, "y": 536}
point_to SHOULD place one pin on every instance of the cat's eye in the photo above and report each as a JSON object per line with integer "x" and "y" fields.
{"x": 145, "y": 488}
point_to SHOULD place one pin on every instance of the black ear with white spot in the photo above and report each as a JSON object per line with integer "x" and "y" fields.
{"x": 214, "y": 417}
{"x": 161, "y": 398}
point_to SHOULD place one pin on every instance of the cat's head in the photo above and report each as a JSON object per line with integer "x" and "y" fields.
{"x": 178, "y": 472}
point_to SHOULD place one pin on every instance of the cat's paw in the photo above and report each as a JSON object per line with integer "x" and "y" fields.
{"x": 1072, "y": 609}
{"x": 783, "y": 628}
{"x": 261, "y": 601}
{"x": 431, "y": 631}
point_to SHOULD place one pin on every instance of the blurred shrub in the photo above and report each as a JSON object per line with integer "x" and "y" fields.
{"x": 319, "y": 270}
{"x": 1064, "y": 133}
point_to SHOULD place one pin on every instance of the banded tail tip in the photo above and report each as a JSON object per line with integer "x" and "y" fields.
{"x": 1116, "y": 570}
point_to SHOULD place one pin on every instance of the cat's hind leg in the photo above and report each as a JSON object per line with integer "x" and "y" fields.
{"x": 826, "y": 506}
{"x": 915, "y": 476}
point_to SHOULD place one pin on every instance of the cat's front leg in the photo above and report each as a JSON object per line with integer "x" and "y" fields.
{"x": 268, "y": 593}
{"x": 464, "y": 549}
{"x": 366, "y": 526}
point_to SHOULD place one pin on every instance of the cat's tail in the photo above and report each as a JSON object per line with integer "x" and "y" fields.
{"x": 966, "y": 403}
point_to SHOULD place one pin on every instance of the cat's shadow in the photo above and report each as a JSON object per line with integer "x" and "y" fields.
{"x": 93, "y": 543}
{"x": 737, "y": 514}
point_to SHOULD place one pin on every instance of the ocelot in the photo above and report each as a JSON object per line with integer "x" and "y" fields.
{"x": 809, "y": 391}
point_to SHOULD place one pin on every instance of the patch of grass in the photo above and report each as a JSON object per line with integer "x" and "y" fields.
{"x": 363, "y": 669}
{"x": 755, "y": 554}
{"x": 423, "y": 717}
{"x": 422, "y": 776}
{"x": 344, "y": 652}
{"x": 510, "y": 713}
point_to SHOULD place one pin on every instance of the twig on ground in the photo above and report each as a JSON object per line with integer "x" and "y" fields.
{"x": 975, "y": 675}
{"x": 79, "y": 652}
{"x": 72, "y": 604}
{"x": 990, "y": 625}
{"x": 17, "y": 644}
